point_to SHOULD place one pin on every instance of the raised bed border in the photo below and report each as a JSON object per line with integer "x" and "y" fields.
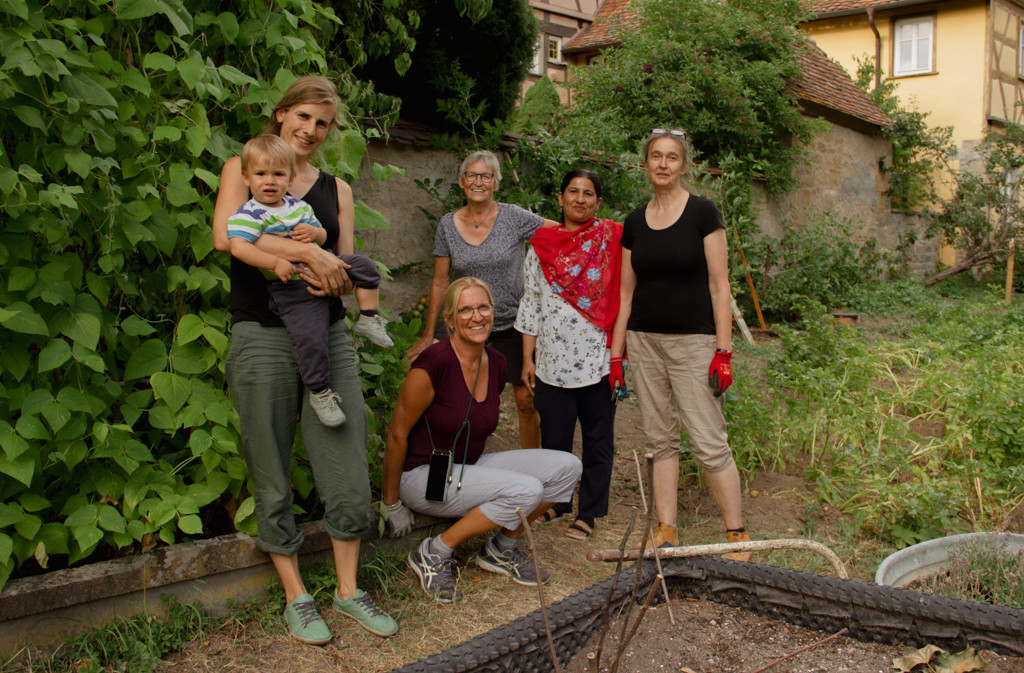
{"x": 871, "y": 612}
{"x": 45, "y": 610}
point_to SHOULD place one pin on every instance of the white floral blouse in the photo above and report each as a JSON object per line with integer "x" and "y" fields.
{"x": 571, "y": 351}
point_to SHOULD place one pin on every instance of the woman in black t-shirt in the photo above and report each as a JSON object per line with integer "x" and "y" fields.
{"x": 675, "y": 316}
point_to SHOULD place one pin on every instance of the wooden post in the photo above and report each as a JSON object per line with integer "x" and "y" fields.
{"x": 1009, "y": 271}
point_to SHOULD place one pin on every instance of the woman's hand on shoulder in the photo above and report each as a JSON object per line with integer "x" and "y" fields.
{"x": 231, "y": 193}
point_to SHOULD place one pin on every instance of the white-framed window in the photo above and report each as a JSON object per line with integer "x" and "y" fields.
{"x": 1020, "y": 50}
{"x": 913, "y": 45}
{"x": 554, "y": 49}
{"x": 535, "y": 65}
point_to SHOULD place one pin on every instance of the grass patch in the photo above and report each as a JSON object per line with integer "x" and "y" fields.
{"x": 981, "y": 572}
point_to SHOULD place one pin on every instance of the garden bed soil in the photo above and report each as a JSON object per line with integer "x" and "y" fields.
{"x": 709, "y": 637}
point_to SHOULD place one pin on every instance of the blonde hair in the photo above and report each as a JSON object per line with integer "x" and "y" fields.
{"x": 309, "y": 89}
{"x": 490, "y": 160}
{"x": 452, "y": 294}
{"x": 272, "y": 148}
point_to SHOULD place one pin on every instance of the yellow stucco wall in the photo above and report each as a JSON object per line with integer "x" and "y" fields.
{"x": 955, "y": 93}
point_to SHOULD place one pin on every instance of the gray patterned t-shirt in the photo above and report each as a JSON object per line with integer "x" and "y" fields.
{"x": 498, "y": 261}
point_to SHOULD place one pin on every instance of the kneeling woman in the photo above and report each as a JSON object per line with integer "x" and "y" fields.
{"x": 446, "y": 409}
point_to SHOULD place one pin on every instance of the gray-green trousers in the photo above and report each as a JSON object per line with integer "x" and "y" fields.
{"x": 268, "y": 394}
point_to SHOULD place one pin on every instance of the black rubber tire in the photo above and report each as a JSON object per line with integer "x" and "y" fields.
{"x": 871, "y": 613}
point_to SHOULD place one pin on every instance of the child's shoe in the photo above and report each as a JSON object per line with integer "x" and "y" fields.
{"x": 327, "y": 405}
{"x": 374, "y": 328}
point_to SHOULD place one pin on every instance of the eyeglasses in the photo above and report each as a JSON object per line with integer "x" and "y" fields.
{"x": 466, "y": 312}
{"x": 669, "y": 132}
{"x": 484, "y": 177}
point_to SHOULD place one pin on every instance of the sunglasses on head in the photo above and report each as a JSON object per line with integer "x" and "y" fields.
{"x": 669, "y": 132}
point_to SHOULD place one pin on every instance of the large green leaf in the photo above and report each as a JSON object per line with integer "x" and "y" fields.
{"x": 179, "y": 190}
{"x": 368, "y": 218}
{"x": 20, "y": 317}
{"x": 148, "y": 359}
{"x": 30, "y": 427}
{"x": 190, "y": 327}
{"x": 6, "y": 547}
{"x": 172, "y": 388}
{"x": 110, "y": 519}
{"x": 84, "y": 325}
{"x": 12, "y": 444}
{"x": 192, "y": 70}
{"x": 53, "y": 355}
{"x": 180, "y": 19}
{"x": 22, "y": 469}
{"x": 80, "y": 86}
{"x": 190, "y": 524}
{"x": 136, "y": 326}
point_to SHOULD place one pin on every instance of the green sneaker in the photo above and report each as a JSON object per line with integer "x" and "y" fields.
{"x": 305, "y": 623}
{"x": 362, "y": 609}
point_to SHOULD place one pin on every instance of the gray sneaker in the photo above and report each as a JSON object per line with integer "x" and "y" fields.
{"x": 435, "y": 573}
{"x": 513, "y": 562}
{"x": 327, "y": 406}
{"x": 374, "y": 328}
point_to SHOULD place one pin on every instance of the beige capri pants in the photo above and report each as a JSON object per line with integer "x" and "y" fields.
{"x": 670, "y": 376}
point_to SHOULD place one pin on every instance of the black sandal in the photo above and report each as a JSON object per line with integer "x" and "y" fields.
{"x": 579, "y": 530}
{"x": 550, "y": 516}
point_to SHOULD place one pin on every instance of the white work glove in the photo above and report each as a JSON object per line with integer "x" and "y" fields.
{"x": 399, "y": 519}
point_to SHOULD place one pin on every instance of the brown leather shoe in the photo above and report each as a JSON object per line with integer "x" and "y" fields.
{"x": 733, "y": 536}
{"x": 664, "y": 536}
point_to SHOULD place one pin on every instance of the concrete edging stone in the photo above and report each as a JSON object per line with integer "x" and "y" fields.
{"x": 43, "y": 611}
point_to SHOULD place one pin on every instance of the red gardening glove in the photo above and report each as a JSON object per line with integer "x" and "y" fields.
{"x": 616, "y": 377}
{"x": 720, "y": 374}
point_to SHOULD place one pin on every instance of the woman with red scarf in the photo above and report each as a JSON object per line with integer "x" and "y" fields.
{"x": 571, "y": 298}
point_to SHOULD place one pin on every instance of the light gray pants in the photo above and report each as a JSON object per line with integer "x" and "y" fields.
{"x": 498, "y": 483}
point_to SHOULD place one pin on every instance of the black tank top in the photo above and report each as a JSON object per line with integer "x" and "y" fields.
{"x": 249, "y": 298}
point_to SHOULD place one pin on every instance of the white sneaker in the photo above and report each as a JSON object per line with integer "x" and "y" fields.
{"x": 374, "y": 328}
{"x": 327, "y": 406}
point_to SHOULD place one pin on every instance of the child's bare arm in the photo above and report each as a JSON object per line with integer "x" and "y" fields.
{"x": 247, "y": 252}
{"x": 307, "y": 233}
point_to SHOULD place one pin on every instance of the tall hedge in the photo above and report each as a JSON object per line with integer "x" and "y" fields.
{"x": 467, "y": 63}
{"x": 115, "y": 428}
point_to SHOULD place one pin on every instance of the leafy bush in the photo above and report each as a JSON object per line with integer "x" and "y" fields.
{"x": 119, "y": 433}
{"x": 716, "y": 70}
{"x": 917, "y": 150}
{"x": 540, "y": 103}
{"x": 468, "y": 65}
{"x": 817, "y": 262}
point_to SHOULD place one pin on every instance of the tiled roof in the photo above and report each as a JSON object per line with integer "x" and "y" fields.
{"x": 613, "y": 13}
{"x": 823, "y": 83}
{"x": 843, "y": 6}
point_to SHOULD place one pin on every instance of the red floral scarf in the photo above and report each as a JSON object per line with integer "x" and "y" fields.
{"x": 583, "y": 267}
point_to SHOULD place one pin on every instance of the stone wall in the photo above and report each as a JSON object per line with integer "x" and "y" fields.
{"x": 843, "y": 178}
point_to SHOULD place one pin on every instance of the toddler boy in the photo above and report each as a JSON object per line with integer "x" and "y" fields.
{"x": 268, "y": 165}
